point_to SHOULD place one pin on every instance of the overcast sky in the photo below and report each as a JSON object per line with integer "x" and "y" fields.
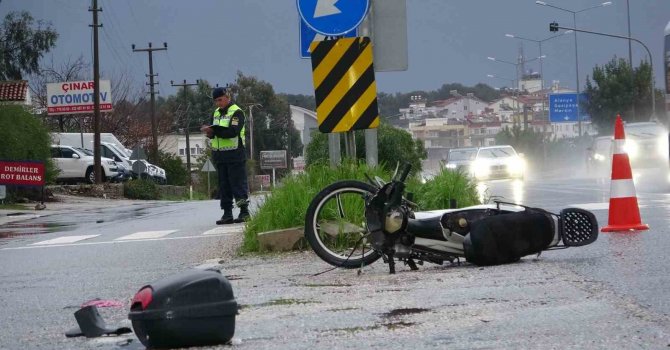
{"x": 449, "y": 40}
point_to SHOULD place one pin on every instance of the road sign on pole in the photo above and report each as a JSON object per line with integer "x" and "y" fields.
{"x": 333, "y": 17}
{"x": 308, "y": 35}
{"x": 344, "y": 85}
{"x": 563, "y": 108}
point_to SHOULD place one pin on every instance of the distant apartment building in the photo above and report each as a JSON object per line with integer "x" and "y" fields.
{"x": 456, "y": 107}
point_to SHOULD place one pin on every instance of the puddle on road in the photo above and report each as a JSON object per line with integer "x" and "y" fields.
{"x": 403, "y": 312}
{"x": 19, "y": 229}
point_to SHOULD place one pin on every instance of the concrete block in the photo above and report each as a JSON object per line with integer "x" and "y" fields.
{"x": 280, "y": 240}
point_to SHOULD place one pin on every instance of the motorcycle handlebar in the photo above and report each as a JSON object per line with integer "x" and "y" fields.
{"x": 404, "y": 172}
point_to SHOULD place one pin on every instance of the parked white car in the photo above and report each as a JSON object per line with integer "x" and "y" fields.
{"x": 76, "y": 163}
{"x": 121, "y": 155}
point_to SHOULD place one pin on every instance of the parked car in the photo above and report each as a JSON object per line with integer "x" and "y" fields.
{"x": 76, "y": 163}
{"x": 461, "y": 158}
{"x": 121, "y": 155}
{"x": 498, "y": 162}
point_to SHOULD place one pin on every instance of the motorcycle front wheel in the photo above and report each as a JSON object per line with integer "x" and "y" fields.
{"x": 335, "y": 224}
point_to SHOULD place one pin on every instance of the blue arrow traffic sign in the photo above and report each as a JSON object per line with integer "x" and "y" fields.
{"x": 333, "y": 17}
{"x": 307, "y": 35}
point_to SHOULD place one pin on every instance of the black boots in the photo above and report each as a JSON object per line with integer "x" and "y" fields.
{"x": 227, "y": 217}
{"x": 244, "y": 213}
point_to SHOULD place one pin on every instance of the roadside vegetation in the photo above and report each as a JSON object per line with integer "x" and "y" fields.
{"x": 286, "y": 206}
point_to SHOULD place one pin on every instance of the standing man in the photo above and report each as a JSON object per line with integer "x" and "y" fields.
{"x": 229, "y": 156}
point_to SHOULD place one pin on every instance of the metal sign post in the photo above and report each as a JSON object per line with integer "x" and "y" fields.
{"x": 208, "y": 167}
{"x": 273, "y": 160}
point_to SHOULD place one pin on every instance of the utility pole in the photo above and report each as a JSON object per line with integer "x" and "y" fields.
{"x": 185, "y": 85}
{"x": 154, "y": 128}
{"x": 96, "y": 94}
{"x": 630, "y": 59}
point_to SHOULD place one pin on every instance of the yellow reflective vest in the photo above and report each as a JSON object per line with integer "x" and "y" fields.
{"x": 221, "y": 144}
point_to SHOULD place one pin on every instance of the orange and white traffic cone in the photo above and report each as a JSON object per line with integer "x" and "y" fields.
{"x": 624, "y": 213}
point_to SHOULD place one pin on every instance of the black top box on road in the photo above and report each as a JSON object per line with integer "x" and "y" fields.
{"x": 194, "y": 308}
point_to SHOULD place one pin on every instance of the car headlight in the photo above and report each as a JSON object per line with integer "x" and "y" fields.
{"x": 631, "y": 147}
{"x": 111, "y": 162}
{"x": 481, "y": 168}
{"x": 599, "y": 157}
{"x": 516, "y": 165}
{"x": 451, "y": 166}
{"x": 663, "y": 146}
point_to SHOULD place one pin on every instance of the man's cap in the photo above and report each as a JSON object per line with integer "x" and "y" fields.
{"x": 218, "y": 92}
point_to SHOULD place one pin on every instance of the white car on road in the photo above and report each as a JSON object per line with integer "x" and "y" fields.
{"x": 498, "y": 162}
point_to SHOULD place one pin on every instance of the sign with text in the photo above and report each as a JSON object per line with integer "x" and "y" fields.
{"x": 563, "y": 108}
{"x": 74, "y": 97}
{"x": 263, "y": 180}
{"x": 21, "y": 173}
{"x": 273, "y": 159}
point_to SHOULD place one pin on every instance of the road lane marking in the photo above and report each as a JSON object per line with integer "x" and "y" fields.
{"x": 235, "y": 228}
{"x": 115, "y": 242}
{"x": 64, "y": 240}
{"x": 146, "y": 235}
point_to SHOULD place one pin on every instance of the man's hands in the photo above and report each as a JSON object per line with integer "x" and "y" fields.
{"x": 207, "y": 130}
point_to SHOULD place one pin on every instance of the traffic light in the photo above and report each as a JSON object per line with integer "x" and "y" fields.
{"x": 553, "y": 27}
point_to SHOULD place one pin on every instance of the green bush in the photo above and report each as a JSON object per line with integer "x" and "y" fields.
{"x": 141, "y": 189}
{"x": 23, "y": 137}
{"x": 394, "y": 146}
{"x": 287, "y": 205}
{"x": 175, "y": 170}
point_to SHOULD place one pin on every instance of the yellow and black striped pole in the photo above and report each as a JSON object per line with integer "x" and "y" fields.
{"x": 344, "y": 84}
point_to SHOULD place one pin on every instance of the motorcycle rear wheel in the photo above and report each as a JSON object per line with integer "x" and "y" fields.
{"x": 335, "y": 224}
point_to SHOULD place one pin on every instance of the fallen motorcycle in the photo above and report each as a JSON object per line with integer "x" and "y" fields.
{"x": 352, "y": 223}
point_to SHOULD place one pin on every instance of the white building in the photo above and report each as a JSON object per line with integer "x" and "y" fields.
{"x": 176, "y": 144}
{"x": 305, "y": 121}
{"x": 459, "y": 106}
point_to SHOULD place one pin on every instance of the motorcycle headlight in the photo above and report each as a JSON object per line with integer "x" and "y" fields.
{"x": 395, "y": 221}
{"x": 631, "y": 147}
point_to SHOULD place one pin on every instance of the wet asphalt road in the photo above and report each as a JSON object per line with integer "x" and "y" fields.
{"x": 611, "y": 294}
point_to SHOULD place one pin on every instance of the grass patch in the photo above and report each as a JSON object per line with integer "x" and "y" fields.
{"x": 448, "y": 184}
{"x": 286, "y": 206}
{"x": 12, "y": 206}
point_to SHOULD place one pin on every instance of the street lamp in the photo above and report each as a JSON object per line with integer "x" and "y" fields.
{"x": 539, "y": 42}
{"x": 574, "y": 20}
{"x": 251, "y": 128}
{"x": 516, "y": 66}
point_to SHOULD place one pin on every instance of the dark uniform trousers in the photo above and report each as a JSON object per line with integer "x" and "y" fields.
{"x": 232, "y": 183}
